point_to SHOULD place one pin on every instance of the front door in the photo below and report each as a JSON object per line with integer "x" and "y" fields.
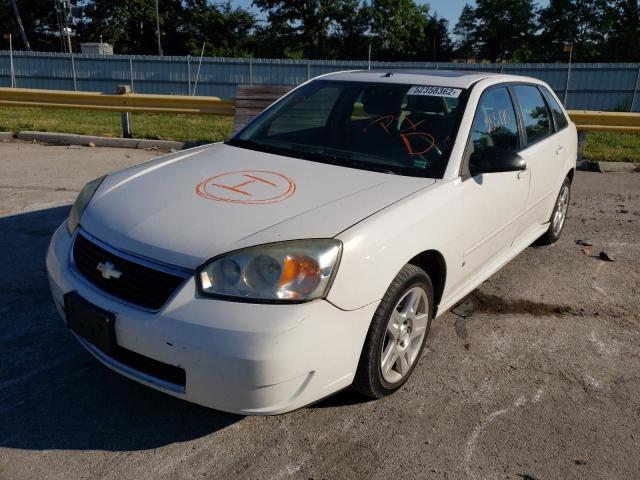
{"x": 492, "y": 203}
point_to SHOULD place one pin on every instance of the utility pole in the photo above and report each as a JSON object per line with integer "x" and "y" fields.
{"x": 23, "y": 34}
{"x": 67, "y": 31}
{"x": 64, "y": 12}
{"x": 568, "y": 48}
{"x": 434, "y": 48}
{"x": 8, "y": 36}
{"x": 158, "y": 29}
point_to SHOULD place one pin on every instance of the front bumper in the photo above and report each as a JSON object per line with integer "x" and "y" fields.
{"x": 238, "y": 357}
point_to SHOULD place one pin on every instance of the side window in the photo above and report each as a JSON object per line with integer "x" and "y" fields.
{"x": 537, "y": 120}
{"x": 556, "y": 110}
{"x": 307, "y": 113}
{"x": 495, "y": 122}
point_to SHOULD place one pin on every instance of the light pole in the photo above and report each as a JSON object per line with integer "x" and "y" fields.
{"x": 8, "y": 36}
{"x": 158, "y": 29}
{"x": 568, "y": 47}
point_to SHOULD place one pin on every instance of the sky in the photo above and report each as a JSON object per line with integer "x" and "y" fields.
{"x": 449, "y": 9}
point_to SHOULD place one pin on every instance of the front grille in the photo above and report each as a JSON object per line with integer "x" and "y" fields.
{"x": 154, "y": 368}
{"x": 137, "y": 284}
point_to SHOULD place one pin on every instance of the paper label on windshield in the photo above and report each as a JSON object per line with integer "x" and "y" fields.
{"x": 432, "y": 91}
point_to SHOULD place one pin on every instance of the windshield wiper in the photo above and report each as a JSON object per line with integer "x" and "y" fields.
{"x": 349, "y": 160}
{"x": 318, "y": 155}
{"x": 260, "y": 147}
{"x": 322, "y": 155}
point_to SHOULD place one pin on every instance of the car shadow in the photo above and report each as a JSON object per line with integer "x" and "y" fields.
{"x": 344, "y": 398}
{"x": 54, "y": 394}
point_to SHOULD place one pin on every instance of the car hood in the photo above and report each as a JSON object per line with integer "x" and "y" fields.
{"x": 187, "y": 207}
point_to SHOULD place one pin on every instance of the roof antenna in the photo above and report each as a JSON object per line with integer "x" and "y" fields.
{"x": 388, "y": 74}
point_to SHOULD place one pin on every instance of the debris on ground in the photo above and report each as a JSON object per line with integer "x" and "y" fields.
{"x": 586, "y": 246}
{"x": 606, "y": 257}
{"x": 525, "y": 476}
{"x": 464, "y": 308}
{"x": 587, "y": 166}
{"x": 594, "y": 167}
{"x": 461, "y": 328}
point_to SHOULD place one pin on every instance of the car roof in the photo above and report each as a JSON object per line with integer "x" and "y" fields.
{"x": 444, "y": 78}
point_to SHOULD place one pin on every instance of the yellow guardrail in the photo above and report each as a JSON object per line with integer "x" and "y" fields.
{"x": 589, "y": 121}
{"x": 144, "y": 103}
{"x": 127, "y": 102}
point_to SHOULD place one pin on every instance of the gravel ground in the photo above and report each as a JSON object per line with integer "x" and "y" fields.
{"x": 537, "y": 376}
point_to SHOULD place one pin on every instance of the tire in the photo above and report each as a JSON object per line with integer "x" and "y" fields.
{"x": 404, "y": 335}
{"x": 558, "y": 216}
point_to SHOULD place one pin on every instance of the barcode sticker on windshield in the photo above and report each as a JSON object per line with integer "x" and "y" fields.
{"x": 435, "y": 91}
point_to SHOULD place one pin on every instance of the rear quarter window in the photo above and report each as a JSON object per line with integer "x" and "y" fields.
{"x": 558, "y": 115}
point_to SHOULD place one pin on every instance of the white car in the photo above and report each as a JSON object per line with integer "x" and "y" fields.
{"x": 311, "y": 251}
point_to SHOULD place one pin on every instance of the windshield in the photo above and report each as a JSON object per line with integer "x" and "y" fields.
{"x": 395, "y": 128}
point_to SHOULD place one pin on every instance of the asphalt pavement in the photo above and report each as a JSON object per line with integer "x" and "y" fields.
{"x": 537, "y": 376}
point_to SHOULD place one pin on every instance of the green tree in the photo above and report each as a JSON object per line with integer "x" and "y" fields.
{"x": 582, "y": 23}
{"x": 349, "y": 38}
{"x": 130, "y": 25}
{"x": 398, "y": 29}
{"x": 465, "y": 31}
{"x": 624, "y": 36}
{"x": 224, "y": 30}
{"x": 305, "y": 24}
{"x": 497, "y": 29}
{"x": 39, "y": 21}
{"x": 438, "y": 43}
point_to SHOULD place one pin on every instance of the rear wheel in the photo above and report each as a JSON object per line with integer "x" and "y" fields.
{"x": 397, "y": 334}
{"x": 558, "y": 216}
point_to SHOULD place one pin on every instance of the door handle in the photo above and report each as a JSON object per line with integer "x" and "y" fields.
{"x": 559, "y": 149}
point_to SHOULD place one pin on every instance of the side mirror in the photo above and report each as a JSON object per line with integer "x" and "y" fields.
{"x": 495, "y": 160}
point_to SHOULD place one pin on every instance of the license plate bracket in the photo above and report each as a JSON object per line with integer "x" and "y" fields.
{"x": 94, "y": 324}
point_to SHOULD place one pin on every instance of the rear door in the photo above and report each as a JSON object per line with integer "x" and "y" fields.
{"x": 492, "y": 202}
{"x": 541, "y": 151}
{"x": 565, "y": 137}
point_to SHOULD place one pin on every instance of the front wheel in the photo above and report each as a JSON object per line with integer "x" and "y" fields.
{"x": 397, "y": 334}
{"x": 558, "y": 216}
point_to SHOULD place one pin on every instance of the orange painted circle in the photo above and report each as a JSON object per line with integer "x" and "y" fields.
{"x": 247, "y": 187}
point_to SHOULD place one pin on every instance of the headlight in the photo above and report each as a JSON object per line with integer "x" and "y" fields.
{"x": 292, "y": 271}
{"x": 81, "y": 203}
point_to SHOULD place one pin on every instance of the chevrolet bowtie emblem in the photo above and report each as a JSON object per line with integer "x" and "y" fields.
{"x": 108, "y": 270}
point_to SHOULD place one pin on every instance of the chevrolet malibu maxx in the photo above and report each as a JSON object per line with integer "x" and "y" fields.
{"x": 311, "y": 251}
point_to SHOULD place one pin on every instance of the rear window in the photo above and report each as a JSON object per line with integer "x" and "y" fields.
{"x": 558, "y": 115}
{"x": 536, "y": 116}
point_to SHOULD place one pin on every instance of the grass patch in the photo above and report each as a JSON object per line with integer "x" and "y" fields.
{"x": 600, "y": 146}
{"x": 205, "y": 128}
{"x": 612, "y": 147}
